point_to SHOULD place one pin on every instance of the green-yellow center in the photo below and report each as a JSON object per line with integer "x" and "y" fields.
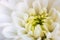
{"x": 35, "y": 19}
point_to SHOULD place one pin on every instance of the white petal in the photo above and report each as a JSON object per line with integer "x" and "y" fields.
{"x": 17, "y": 19}
{"x": 5, "y": 10}
{"x": 25, "y": 37}
{"x": 40, "y": 4}
{"x": 4, "y": 14}
{"x": 10, "y": 32}
{"x": 56, "y": 5}
{"x": 57, "y": 29}
{"x": 55, "y": 15}
{"x": 17, "y": 38}
{"x": 38, "y": 31}
{"x": 39, "y": 38}
{"x": 37, "y": 6}
{"x": 30, "y": 33}
{"x": 56, "y": 32}
{"x": 4, "y": 18}
{"x": 21, "y": 7}
{"x": 21, "y": 31}
{"x": 50, "y": 25}
{"x": 22, "y": 15}
{"x": 4, "y": 24}
{"x": 50, "y": 3}
{"x": 44, "y": 3}
{"x": 9, "y": 3}
{"x": 56, "y": 38}
{"x": 28, "y": 2}
{"x": 49, "y": 35}
{"x": 25, "y": 17}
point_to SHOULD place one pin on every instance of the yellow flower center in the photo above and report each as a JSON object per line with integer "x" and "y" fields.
{"x": 35, "y": 19}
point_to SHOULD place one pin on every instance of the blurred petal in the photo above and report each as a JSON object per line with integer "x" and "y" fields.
{"x": 55, "y": 15}
{"x": 28, "y": 2}
{"x": 49, "y": 24}
{"x": 19, "y": 20}
{"x": 5, "y": 14}
{"x": 31, "y": 11}
{"x": 37, "y": 5}
{"x": 21, "y": 31}
{"x": 56, "y": 38}
{"x": 40, "y": 4}
{"x": 21, "y": 7}
{"x": 38, "y": 31}
{"x": 44, "y": 3}
{"x": 56, "y": 32}
{"x": 5, "y": 10}
{"x": 4, "y": 18}
{"x": 39, "y": 38}
{"x": 9, "y": 3}
{"x": 25, "y": 37}
{"x": 30, "y": 33}
{"x": 56, "y": 5}
{"x": 57, "y": 28}
{"x": 10, "y": 31}
{"x": 4, "y": 24}
{"x": 50, "y": 3}
{"x": 49, "y": 35}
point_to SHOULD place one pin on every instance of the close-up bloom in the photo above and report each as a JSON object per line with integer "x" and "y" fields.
{"x": 30, "y": 19}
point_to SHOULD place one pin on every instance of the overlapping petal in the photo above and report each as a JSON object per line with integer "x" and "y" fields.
{"x": 9, "y": 3}
{"x": 14, "y": 14}
{"x": 56, "y": 5}
{"x": 10, "y": 31}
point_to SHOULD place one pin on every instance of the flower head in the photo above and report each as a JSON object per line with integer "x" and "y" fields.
{"x": 31, "y": 19}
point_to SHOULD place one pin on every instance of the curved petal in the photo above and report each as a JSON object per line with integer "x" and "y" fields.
{"x": 50, "y": 3}
{"x": 36, "y": 5}
{"x": 19, "y": 19}
{"x": 57, "y": 28}
{"x": 56, "y": 32}
{"x": 21, "y": 7}
{"x": 50, "y": 25}
{"x": 56, "y": 5}
{"x": 4, "y": 18}
{"x": 4, "y": 24}
{"x": 5, "y": 10}
{"x": 55, "y": 15}
{"x": 10, "y": 31}
{"x": 21, "y": 31}
{"x": 56, "y": 38}
{"x": 25, "y": 37}
{"x": 29, "y": 2}
{"x": 22, "y": 35}
{"x": 39, "y": 38}
{"x": 44, "y": 3}
{"x": 9, "y": 3}
{"x": 38, "y": 31}
{"x": 48, "y": 35}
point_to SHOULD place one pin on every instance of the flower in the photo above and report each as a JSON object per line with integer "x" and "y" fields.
{"x": 30, "y": 19}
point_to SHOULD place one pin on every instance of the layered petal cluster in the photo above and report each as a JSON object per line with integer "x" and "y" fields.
{"x": 30, "y": 19}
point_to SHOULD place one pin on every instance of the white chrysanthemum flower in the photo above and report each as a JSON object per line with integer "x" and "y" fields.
{"x": 30, "y": 19}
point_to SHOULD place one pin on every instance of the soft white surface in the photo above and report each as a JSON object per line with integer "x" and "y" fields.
{"x": 1, "y": 36}
{"x": 7, "y": 7}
